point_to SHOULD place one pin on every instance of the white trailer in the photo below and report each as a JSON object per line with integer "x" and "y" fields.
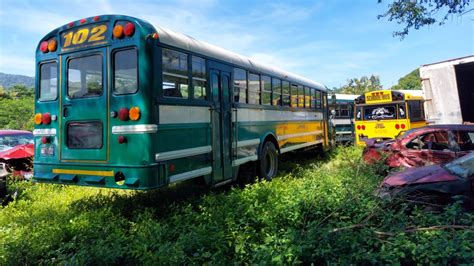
{"x": 448, "y": 88}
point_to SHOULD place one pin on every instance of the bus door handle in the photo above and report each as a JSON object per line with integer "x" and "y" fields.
{"x": 65, "y": 106}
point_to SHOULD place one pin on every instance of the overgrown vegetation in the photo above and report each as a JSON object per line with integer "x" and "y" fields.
{"x": 321, "y": 211}
{"x": 17, "y": 108}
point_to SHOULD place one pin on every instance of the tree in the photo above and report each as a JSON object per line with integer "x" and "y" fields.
{"x": 17, "y": 108}
{"x": 360, "y": 86}
{"x": 418, "y": 13}
{"x": 410, "y": 81}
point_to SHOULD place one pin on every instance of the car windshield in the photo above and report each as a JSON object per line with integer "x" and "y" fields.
{"x": 463, "y": 167}
{"x": 9, "y": 141}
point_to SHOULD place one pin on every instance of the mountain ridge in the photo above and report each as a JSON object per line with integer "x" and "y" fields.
{"x": 7, "y": 81}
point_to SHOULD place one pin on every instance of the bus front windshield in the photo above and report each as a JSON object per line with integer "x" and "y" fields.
{"x": 382, "y": 112}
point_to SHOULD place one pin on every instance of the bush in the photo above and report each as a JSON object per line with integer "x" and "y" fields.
{"x": 323, "y": 211}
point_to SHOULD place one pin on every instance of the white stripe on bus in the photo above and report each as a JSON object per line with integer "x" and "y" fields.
{"x": 190, "y": 174}
{"x": 44, "y": 132}
{"x": 244, "y": 160}
{"x": 135, "y": 129}
{"x": 245, "y": 143}
{"x": 169, "y": 155}
{"x": 299, "y": 146}
{"x": 289, "y": 136}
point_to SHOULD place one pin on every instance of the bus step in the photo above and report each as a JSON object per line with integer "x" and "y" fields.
{"x": 132, "y": 182}
{"x": 46, "y": 176}
{"x": 68, "y": 178}
{"x": 95, "y": 179}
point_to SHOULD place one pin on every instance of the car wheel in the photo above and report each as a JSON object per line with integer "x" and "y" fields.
{"x": 268, "y": 164}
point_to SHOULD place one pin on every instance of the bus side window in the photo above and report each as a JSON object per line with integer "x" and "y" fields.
{"x": 266, "y": 90}
{"x": 240, "y": 85}
{"x": 276, "y": 88}
{"x": 313, "y": 98}
{"x": 318, "y": 99}
{"x": 286, "y": 98}
{"x": 199, "y": 78}
{"x": 307, "y": 97}
{"x": 294, "y": 95}
{"x": 175, "y": 74}
{"x": 401, "y": 111}
{"x": 254, "y": 89}
{"x": 300, "y": 96}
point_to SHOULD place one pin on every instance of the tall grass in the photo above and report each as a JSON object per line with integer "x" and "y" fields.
{"x": 321, "y": 211}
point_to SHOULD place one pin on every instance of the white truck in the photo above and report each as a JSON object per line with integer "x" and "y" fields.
{"x": 448, "y": 88}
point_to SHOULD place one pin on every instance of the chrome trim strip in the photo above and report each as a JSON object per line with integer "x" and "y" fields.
{"x": 44, "y": 132}
{"x": 289, "y": 136}
{"x": 245, "y": 143}
{"x": 169, "y": 155}
{"x": 343, "y": 132}
{"x": 299, "y": 146}
{"x": 135, "y": 129}
{"x": 190, "y": 174}
{"x": 244, "y": 160}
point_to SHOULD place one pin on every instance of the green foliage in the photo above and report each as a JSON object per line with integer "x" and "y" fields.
{"x": 410, "y": 81}
{"x": 17, "y": 108}
{"x": 318, "y": 211}
{"x": 360, "y": 86}
{"x": 415, "y": 14}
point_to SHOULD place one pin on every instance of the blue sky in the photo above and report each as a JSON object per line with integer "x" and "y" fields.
{"x": 328, "y": 41}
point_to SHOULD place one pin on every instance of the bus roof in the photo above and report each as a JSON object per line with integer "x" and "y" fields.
{"x": 183, "y": 41}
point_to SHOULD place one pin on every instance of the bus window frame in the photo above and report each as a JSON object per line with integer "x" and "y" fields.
{"x": 57, "y": 80}
{"x": 82, "y": 55}
{"x": 113, "y": 70}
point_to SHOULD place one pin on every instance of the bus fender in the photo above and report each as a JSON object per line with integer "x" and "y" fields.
{"x": 268, "y": 137}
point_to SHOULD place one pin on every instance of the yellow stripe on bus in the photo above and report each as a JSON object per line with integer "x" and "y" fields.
{"x": 83, "y": 172}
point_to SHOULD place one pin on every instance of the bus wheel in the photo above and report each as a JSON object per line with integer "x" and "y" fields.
{"x": 268, "y": 164}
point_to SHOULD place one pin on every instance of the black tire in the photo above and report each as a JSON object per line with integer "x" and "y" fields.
{"x": 268, "y": 163}
{"x": 3, "y": 187}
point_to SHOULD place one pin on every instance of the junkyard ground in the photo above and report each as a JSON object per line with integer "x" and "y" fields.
{"x": 320, "y": 210}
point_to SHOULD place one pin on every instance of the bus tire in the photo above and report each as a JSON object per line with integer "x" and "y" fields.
{"x": 268, "y": 163}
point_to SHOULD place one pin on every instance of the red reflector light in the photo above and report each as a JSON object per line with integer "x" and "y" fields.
{"x": 70, "y": 25}
{"x": 129, "y": 29}
{"x": 358, "y": 127}
{"x": 44, "y": 46}
{"x": 155, "y": 36}
{"x": 123, "y": 114}
{"x": 96, "y": 18}
{"x": 121, "y": 139}
{"x": 363, "y": 127}
{"x": 403, "y": 126}
{"x": 83, "y": 21}
{"x": 44, "y": 140}
{"x": 46, "y": 119}
{"x": 397, "y": 126}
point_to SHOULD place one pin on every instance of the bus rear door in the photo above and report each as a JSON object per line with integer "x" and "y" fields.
{"x": 84, "y": 107}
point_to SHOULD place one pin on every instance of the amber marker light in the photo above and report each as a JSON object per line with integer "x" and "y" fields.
{"x": 52, "y": 45}
{"x": 118, "y": 31}
{"x": 38, "y": 119}
{"x": 134, "y": 113}
{"x": 44, "y": 46}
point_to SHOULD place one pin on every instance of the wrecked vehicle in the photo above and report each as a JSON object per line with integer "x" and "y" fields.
{"x": 439, "y": 182}
{"x": 16, "y": 152}
{"x": 423, "y": 146}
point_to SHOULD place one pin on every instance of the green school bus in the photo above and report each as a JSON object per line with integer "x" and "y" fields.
{"x": 124, "y": 104}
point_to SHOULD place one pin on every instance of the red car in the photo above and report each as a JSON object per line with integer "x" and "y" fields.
{"x": 454, "y": 178}
{"x": 423, "y": 146}
{"x": 16, "y": 152}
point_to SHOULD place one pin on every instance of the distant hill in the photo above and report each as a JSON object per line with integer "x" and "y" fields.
{"x": 9, "y": 80}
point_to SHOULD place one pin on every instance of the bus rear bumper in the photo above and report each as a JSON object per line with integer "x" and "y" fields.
{"x": 141, "y": 177}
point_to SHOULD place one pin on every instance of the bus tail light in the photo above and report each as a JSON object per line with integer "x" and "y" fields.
{"x": 44, "y": 140}
{"x": 38, "y": 119}
{"x": 118, "y": 31}
{"x": 397, "y": 126}
{"x": 129, "y": 29}
{"x": 44, "y": 46}
{"x": 121, "y": 139}
{"x": 134, "y": 113}
{"x": 123, "y": 114}
{"x": 402, "y": 126}
{"x": 52, "y": 45}
{"x": 363, "y": 127}
{"x": 45, "y": 119}
{"x": 358, "y": 127}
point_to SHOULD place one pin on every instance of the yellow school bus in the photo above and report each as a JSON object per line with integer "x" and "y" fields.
{"x": 385, "y": 114}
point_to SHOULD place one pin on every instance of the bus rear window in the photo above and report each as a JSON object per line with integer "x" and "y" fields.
{"x": 125, "y": 71}
{"x": 380, "y": 112}
{"x": 85, "y": 77}
{"x": 84, "y": 135}
{"x": 48, "y": 87}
